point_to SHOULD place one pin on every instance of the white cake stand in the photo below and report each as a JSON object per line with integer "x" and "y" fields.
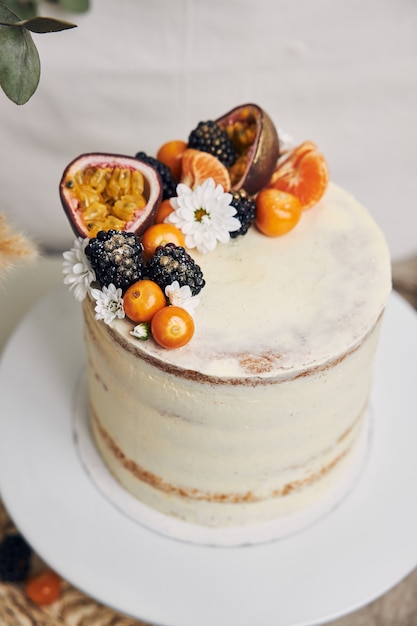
{"x": 351, "y": 556}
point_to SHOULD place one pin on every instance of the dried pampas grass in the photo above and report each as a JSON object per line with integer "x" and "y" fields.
{"x": 15, "y": 248}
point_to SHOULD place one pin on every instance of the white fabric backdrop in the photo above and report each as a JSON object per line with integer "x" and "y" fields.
{"x": 134, "y": 74}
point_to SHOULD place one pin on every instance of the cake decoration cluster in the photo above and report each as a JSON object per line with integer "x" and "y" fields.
{"x": 138, "y": 219}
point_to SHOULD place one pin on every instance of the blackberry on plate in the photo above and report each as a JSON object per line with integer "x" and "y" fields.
{"x": 245, "y": 211}
{"x": 209, "y": 137}
{"x": 116, "y": 257}
{"x": 172, "y": 263}
{"x": 169, "y": 184}
{"x": 15, "y": 554}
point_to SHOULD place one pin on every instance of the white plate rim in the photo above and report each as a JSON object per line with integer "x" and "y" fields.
{"x": 352, "y": 556}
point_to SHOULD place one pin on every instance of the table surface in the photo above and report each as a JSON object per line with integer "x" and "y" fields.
{"x": 21, "y": 288}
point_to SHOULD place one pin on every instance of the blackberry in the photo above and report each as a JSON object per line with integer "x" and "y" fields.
{"x": 209, "y": 137}
{"x": 15, "y": 554}
{"x": 170, "y": 263}
{"x": 116, "y": 257}
{"x": 245, "y": 211}
{"x": 169, "y": 184}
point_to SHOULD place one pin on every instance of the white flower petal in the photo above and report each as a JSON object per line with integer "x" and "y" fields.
{"x": 181, "y": 296}
{"x": 204, "y": 215}
{"x": 109, "y": 303}
{"x": 141, "y": 331}
{"x": 77, "y": 270}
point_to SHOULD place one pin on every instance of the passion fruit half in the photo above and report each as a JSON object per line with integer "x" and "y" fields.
{"x": 256, "y": 142}
{"x": 109, "y": 192}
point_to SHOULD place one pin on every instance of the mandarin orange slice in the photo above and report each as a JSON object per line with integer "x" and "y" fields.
{"x": 197, "y": 166}
{"x": 303, "y": 173}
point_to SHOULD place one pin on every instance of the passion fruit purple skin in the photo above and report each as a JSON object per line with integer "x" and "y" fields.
{"x": 263, "y": 154}
{"x": 152, "y": 190}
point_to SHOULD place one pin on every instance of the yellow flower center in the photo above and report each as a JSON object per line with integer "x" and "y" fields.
{"x": 199, "y": 214}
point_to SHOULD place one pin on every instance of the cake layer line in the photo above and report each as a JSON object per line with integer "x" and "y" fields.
{"x": 159, "y": 483}
{"x": 199, "y": 377}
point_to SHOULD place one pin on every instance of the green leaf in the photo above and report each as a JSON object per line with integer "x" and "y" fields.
{"x": 7, "y": 16}
{"x": 24, "y": 10}
{"x": 76, "y": 6}
{"x": 44, "y": 25}
{"x": 19, "y": 64}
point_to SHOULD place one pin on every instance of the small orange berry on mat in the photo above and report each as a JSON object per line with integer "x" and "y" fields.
{"x": 303, "y": 173}
{"x": 44, "y": 588}
{"x": 170, "y": 153}
{"x": 162, "y": 212}
{"x": 277, "y": 212}
{"x": 160, "y": 235}
{"x": 143, "y": 300}
{"x": 197, "y": 166}
{"x": 172, "y": 327}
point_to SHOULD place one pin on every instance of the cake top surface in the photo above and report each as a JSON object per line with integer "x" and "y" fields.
{"x": 274, "y": 306}
{"x": 290, "y": 271}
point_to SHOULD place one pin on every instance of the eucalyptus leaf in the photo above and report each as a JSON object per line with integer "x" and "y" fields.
{"x": 44, "y": 25}
{"x": 7, "y": 16}
{"x": 19, "y": 64}
{"x": 25, "y": 10}
{"x": 76, "y": 6}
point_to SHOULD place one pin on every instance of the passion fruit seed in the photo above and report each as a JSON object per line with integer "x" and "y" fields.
{"x": 242, "y": 135}
{"x": 255, "y": 140}
{"x": 109, "y": 192}
{"x": 107, "y": 197}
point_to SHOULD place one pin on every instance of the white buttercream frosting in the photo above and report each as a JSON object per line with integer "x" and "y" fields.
{"x": 292, "y": 301}
{"x": 261, "y": 415}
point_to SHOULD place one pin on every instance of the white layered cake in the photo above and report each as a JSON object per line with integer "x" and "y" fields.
{"x": 251, "y": 410}
{"x": 263, "y": 415}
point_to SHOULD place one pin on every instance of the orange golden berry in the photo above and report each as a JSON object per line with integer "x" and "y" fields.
{"x": 162, "y": 212}
{"x": 172, "y": 327}
{"x": 143, "y": 300}
{"x": 44, "y": 589}
{"x": 160, "y": 235}
{"x": 170, "y": 153}
{"x": 277, "y": 212}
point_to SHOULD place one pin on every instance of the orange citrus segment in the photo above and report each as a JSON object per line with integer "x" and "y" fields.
{"x": 303, "y": 173}
{"x": 197, "y": 166}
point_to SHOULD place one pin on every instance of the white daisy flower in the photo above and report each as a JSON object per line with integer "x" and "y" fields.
{"x": 78, "y": 273}
{"x": 182, "y": 296}
{"x": 204, "y": 215}
{"x": 109, "y": 303}
{"x": 141, "y": 331}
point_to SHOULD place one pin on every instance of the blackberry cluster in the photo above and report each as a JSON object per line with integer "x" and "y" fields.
{"x": 169, "y": 184}
{"x": 245, "y": 211}
{"x": 170, "y": 263}
{"x": 209, "y": 137}
{"x": 15, "y": 555}
{"x": 116, "y": 257}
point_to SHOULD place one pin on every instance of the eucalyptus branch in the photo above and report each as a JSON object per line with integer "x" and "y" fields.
{"x": 40, "y": 24}
{"x": 19, "y": 59}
